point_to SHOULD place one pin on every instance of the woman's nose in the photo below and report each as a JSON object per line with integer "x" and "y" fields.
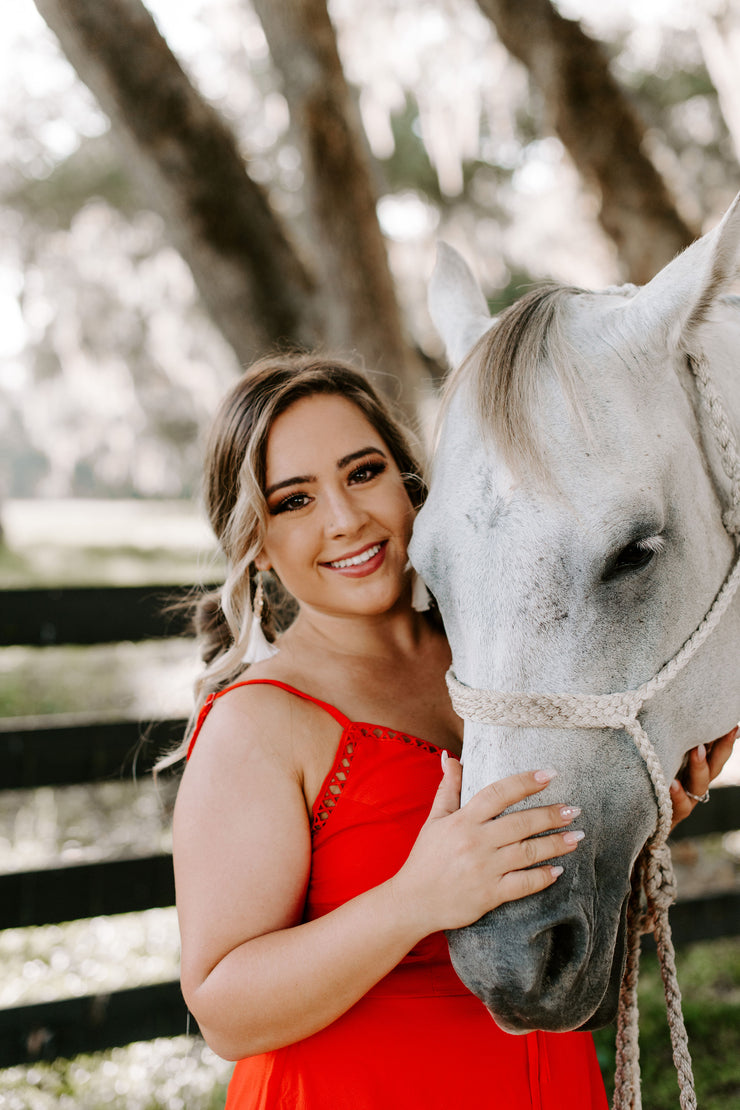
{"x": 343, "y": 515}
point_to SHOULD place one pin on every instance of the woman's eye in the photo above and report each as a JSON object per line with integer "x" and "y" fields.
{"x": 290, "y": 504}
{"x": 366, "y": 472}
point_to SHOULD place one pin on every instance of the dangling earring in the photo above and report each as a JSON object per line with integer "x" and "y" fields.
{"x": 258, "y": 646}
{"x": 420, "y": 597}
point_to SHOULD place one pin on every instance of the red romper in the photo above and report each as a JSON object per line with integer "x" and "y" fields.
{"x": 419, "y": 1038}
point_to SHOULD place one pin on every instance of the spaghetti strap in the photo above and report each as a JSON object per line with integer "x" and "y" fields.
{"x": 208, "y": 703}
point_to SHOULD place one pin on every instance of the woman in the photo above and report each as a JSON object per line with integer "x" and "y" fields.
{"x": 318, "y": 855}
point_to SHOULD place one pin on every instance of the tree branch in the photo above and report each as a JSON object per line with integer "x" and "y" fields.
{"x": 600, "y": 129}
{"x": 249, "y": 275}
{"x": 356, "y": 284}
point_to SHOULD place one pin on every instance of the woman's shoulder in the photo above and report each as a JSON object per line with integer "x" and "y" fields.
{"x": 270, "y": 708}
{"x": 255, "y": 706}
{"x": 260, "y": 739}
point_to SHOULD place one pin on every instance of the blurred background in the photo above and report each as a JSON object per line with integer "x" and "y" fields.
{"x": 188, "y": 184}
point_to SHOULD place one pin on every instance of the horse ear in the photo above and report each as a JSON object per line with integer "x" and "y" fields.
{"x": 679, "y": 297}
{"x": 456, "y": 304}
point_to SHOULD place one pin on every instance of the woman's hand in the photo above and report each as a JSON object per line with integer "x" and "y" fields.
{"x": 464, "y": 863}
{"x": 703, "y": 766}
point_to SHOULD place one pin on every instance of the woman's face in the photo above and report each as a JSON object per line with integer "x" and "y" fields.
{"x": 339, "y": 517}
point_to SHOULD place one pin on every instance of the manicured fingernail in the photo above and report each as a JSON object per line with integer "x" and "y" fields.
{"x": 445, "y": 760}
{"x": 675, "y": 785}
{"x": 569, "y": 812}
{"x": 555, "y": 871}
{"x": 701, "y": 751}
{"x": 545, "y": 776}
{"x": 574, "y": 836}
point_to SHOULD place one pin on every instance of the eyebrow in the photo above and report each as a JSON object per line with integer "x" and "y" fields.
{"x": 304, "y": 479}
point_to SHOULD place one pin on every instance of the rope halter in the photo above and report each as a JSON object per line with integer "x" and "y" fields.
{"x": 653, "y": 874}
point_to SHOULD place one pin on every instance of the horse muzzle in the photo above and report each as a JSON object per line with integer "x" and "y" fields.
{"x": 556, "y": 971}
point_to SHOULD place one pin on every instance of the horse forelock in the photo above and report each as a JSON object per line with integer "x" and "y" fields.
{"x": 505, "y": 369}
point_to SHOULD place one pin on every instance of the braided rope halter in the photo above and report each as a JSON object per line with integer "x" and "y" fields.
{"x": 653, "y": 880}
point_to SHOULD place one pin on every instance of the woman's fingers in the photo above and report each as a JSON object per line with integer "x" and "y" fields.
{"x": 447, "y": 798}
{"x": 525, "y": 823}
{"x": 702, "y": 767}
{"x": 530, "y": 853}
{"x": 518, "y": 827}
{"x": 682, "y": 803}
{"x": 469, "y": 860}
{"x": 519, "y": 862}
{"x": 695, "y": 781}
{"x": 493, "y": 799}
{"x": 719, "y": 752}
{"x": 518, "y": 884}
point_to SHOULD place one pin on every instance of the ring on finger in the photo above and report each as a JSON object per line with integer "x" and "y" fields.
{"x": 697, "y": 797}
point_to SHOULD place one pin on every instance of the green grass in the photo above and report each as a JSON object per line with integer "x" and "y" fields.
{"x": 77, "y": 542}
{"x": 709, "y": 976}
{"x": 179, "y": 1074}
{"x": 176, "y": 1074}
{"x": 130, "y": 680}
{"x": 99, "y": 566}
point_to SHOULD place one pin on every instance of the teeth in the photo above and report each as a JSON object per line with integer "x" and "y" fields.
{"x": 357, "y": 560}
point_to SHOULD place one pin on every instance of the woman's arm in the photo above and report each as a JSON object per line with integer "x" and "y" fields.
{"x": 254, "y": 976}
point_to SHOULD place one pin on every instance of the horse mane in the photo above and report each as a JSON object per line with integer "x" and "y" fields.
{"x": 506, "y": 369}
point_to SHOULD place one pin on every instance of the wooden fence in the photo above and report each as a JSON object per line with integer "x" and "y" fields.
{"x": 65, "y": 750}
{"x": 43, "y": 751}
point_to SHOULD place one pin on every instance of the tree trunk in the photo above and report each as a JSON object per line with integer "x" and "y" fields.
{"x": 356, "y": 287}
{"x": 249, "y": 276}
{"x": 719, "y": 35}
{"x": 600, "y": 129}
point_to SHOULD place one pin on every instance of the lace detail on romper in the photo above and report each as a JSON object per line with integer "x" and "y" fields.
{"x": 381, "y": 733}
{"x": 336, "y": 783}
{"x": 334, "y": 787}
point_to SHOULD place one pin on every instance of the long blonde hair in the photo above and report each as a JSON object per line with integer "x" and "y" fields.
{"x": 234, "y": 479}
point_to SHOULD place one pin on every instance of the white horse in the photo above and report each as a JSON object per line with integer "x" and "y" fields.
{"x": 582, "y": 518}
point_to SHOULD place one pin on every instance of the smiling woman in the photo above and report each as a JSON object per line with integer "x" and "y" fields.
{"x": 320, "y": 847}
{"x": 337, "y": 536}
{"x": 319, "y": 844}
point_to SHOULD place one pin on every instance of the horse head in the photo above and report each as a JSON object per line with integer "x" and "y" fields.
{"x": 580, "y": 523}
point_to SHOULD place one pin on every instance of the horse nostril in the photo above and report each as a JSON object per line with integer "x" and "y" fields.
{"x": 566, "y": 942}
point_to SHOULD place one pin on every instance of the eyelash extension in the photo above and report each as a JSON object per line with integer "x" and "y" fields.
{"x": 375, "y": 466}
{"x": 284, "y": 505}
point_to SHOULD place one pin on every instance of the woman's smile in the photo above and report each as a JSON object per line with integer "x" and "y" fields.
{"x": 366, "y": 561}
{"x": 339, "y": 516}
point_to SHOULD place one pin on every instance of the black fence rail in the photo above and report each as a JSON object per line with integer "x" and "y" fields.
{"x": 73, "y": 749}
{"x": 91, "y": 615}
{"x": 77, "y": 749}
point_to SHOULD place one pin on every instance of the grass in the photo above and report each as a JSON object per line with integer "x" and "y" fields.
{"x": 182, "y": 1074}
{"x": 709, "y": 976}
{"x": 89, "y": 542}
{"x": 133, "y": 681}
{"x": 98, "y": 565}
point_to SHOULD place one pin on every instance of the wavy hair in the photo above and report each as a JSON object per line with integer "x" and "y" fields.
{"x": 234, "y": 481}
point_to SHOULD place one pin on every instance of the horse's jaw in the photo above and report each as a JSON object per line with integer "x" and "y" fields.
{"x": 563, "y": 974}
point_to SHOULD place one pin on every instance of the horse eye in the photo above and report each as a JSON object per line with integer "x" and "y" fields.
{"x": 633, "y": 557}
